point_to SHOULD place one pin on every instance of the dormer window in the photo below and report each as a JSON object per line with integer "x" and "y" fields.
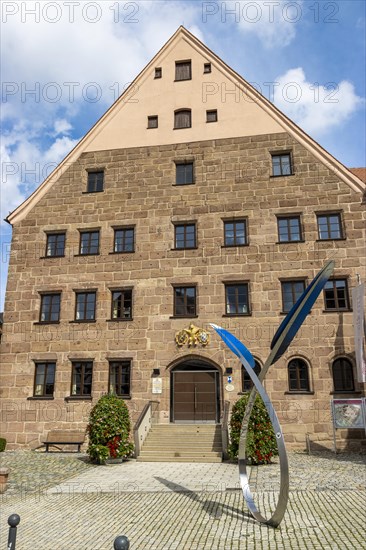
{"x": 183, "y": 70}
{"x": 207, "y": 68}
{"x": 158, "y": 72}
{"x": 183, "y": 118}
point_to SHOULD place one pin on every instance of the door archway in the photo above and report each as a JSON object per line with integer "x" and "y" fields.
{"x": 195, "y": 392}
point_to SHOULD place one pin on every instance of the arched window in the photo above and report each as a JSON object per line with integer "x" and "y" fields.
{"x": 247, "y": 383}
{"x": 342, "y": 371}
{"x": 298, "y": 375}
{"x": 182, "y": 118}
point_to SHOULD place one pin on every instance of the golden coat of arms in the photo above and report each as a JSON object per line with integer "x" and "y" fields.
{"x": 192, "y": 336}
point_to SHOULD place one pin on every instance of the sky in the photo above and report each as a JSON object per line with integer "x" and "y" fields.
{"x": 63, "y": 63}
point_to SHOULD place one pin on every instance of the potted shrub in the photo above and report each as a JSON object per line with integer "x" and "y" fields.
{"x": 261, "y": 440}
{"x": 109, "y": 430}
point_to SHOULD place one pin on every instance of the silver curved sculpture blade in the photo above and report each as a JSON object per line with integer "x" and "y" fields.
{"x": 238, "y": 347}
{"x": 281, "y": 341}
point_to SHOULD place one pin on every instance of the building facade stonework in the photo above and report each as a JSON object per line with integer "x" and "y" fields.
{"x": 147, "y": 256}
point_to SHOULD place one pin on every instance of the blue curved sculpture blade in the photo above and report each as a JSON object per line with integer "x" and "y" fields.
{"x": 235, "y": 345}
{"x": 300, "y": 310}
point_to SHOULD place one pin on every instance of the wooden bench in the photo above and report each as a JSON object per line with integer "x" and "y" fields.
{"x": 64, "y": 437}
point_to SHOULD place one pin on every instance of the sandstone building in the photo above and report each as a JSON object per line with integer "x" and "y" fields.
{"x": 192, "y": 200}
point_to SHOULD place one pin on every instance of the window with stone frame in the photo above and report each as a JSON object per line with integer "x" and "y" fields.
{"x": 336, "y": 295}
{"x": 55, "y": 246}
{"x": 342, "y": 372}
{"x": 50, "y": 307}
{"x": 182, "y": 119}
{"x": 289, "y": 229}
{"x": 281, "y": 164}
{"x": 44, "y": 379}
{"x": 211, "y": 116}
{"x": 95, "y": 181}
{"x": 329, "y": 226}
{"x": 185, "y": 301}
{"x": 85, "y": 303}
{"x": 124, "y": 240}
{"x": 184, "y": 173}
{"x": 120, "y": 377}
{"x": 184, "y": 235}
{"x": 237, "y": 298}
{"x": 121, "y": 304}
{"x": 291, "y": 292}
{"x": 183, "y": 70}
{"x": 298, "y": 376}
{"x": 246, "y": 381}
{"x": 235, "y": 232}
{"x": 89, "y": 242}
{"x": 82, "y": 378}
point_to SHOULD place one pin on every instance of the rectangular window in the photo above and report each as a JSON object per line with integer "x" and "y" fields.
{"x": 237, "y": 299}
{"x": 95, "y": 182}
{"x": 82, "y": 376}
{"x": 44, "y": 380}
{"x": 185, "y": 235}
{"x": 85, "y": 306}
{"x": 289, "y": 229}
{"x": 55, "y": 245}
{"x": 291, "y": 292}
{"x": 121, "y": 304}
{"x": 182, "y": 119}
{"x": 281, "y": 165}
{"x": 184, "y": 301}
{"x": 184, "y": 173}
{"x": 235, "y": 233}
{"x": 183, "y": 70}
{"x": 211, "y": 116}
{"x": 158, "y": 72}
{"x": 329, "y": 226}
{"x": 89, "y": 242}
{"x": 336, "y": 295}
{"x": 50, "y": 308}
{"x": 207, "y": 68}
{"x": 120, "y": 378}
{"x": 124, "y": 239}
{"x": 152, "y": 121}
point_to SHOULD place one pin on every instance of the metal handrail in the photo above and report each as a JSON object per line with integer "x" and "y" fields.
{"x": 146, "y": 411}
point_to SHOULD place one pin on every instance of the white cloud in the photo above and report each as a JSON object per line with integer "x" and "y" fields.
{"x": 62, "y": 126}
{"x": 273, "y": 22}
{"x": 316, "y": 108}
{"x": 48, "y": 68}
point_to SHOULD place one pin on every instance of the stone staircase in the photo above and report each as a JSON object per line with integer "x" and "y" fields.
{"x": 182, "y": 443}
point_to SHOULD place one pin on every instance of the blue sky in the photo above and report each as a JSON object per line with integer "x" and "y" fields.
{"x": 76, "y": 56}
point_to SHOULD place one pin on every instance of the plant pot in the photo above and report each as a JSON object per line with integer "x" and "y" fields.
{"x": 114, "y": 460}
{"x": 4, "y": 473}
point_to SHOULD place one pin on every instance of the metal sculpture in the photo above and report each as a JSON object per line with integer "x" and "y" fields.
{"x": 280, "y": 342}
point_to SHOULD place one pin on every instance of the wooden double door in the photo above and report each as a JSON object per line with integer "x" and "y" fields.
{"x": 195, "y": 395}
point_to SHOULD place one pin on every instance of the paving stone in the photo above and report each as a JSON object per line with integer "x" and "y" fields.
{"x": 171, "y": 506}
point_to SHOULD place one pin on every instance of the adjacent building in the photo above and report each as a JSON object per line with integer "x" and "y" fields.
{"x": 192, "y": 200}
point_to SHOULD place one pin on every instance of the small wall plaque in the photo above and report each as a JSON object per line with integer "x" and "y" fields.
{"x": 157, "y": 385}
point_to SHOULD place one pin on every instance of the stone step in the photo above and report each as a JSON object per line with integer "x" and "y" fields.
{"x": 207, "y": 460}
{"x": 182, "y": 453}
{"x": 201, "y": 448}
{"x": 182, "y": 442}
{"x": 175, "y": 439}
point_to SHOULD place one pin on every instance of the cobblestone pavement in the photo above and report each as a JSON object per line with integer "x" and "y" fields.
{"x": 170, "y": 506}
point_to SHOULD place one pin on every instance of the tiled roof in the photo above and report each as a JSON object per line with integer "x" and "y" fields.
{"x": 360, "y": 173}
